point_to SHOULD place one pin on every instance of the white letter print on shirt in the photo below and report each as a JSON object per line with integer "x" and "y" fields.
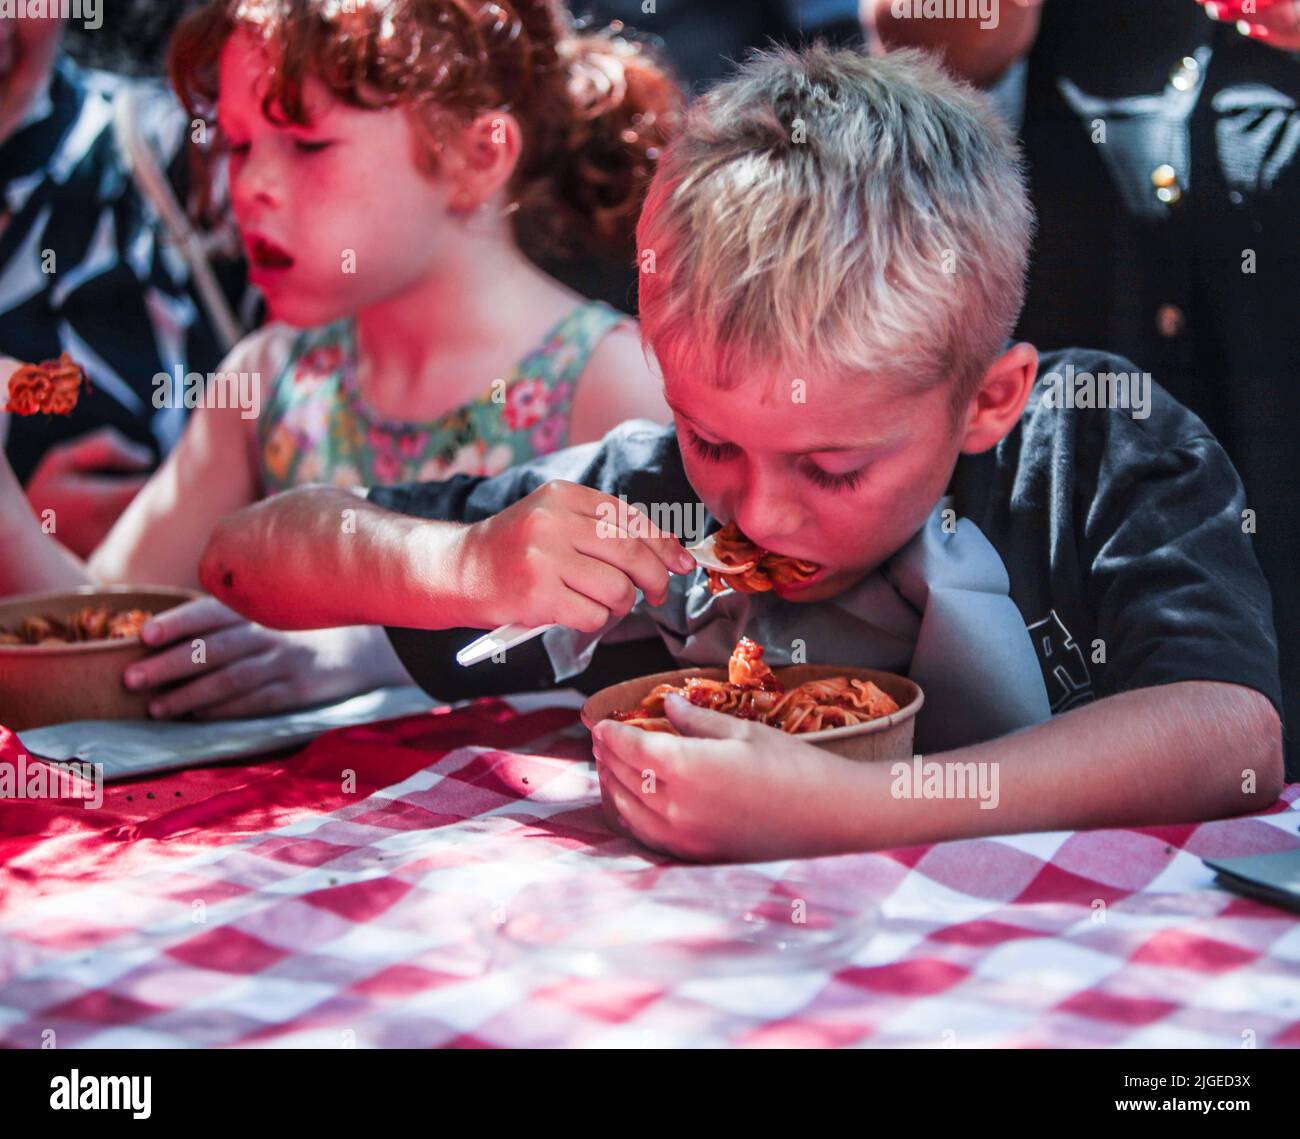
{"x": 1065, "y": 671}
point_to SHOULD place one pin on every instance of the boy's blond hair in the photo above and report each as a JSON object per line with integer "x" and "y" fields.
{"x": 825, "y": 213}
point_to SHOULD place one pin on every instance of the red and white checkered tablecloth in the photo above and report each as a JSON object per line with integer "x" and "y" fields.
{"x": 479, "y": 900}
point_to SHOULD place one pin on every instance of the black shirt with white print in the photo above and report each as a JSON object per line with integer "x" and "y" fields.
{"x": 1123, "y": 528}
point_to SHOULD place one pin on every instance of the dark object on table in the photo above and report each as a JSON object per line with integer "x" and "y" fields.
{"x": 1272, "y": 878}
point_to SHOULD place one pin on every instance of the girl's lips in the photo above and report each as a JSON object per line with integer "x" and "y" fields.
{"x": 264, "y": 254}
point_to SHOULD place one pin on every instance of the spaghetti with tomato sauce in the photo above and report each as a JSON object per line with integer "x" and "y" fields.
{"x": 768, "y": 570}
{"x": 49, "y": 388}
{"x": 753, "y": 692}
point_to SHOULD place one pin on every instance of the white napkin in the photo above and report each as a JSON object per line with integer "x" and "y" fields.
{"x": 139, "y": 747}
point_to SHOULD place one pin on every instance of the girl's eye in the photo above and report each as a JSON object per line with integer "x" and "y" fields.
{"x": 849, "y": 480}
{"x": 311, "y": 146}
{"x": 713, "y": 452}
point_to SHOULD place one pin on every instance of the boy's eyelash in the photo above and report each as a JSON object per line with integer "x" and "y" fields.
{"x": 849, "y": 480}
{"x": 721, "y": 452}
{"x": 713, "y": 452}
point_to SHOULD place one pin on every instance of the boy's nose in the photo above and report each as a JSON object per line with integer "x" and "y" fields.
{"x": 767, "y": 512}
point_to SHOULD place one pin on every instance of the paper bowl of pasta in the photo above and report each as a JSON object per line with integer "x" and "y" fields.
{"x": 62, "y": 655}
{"x": 859, "y": 713}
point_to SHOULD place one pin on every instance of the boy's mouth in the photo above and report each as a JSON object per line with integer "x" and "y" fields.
{"x": 264, "y": 255}
{"x": 790, "y": 589}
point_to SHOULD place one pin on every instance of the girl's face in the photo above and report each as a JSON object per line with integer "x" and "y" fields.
{"x": 843, "y": 479}
{"x": 335, "y": 216}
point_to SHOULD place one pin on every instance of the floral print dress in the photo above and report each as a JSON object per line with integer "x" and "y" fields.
{"x": 318, "y": 428}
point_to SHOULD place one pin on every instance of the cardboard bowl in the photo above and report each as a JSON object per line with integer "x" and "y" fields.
{"x": 888, "y": 737}
{"x": 53, "y": 684}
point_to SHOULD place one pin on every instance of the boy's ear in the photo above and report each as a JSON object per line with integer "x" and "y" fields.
{"x": 482, "y": 159}
{"x": 998, "y": 402}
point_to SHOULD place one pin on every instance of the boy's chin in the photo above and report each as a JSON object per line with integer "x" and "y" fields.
{"x": 824, "y": 588}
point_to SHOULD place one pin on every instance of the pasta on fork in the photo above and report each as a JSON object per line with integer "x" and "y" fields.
{"x": 52, "y": 387}
{"x": 732, "y": 548}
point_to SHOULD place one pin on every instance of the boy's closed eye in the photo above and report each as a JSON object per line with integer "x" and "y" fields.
{"x": 713, "y": 452}
{"x": 710, "y": 451}
{"x": 827, "y": 480}
{"x": 312, "y": 145}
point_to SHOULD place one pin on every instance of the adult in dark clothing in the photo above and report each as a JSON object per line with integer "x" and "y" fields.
{"x": 1162, "y": 148}
{"x": 703, "y": 40}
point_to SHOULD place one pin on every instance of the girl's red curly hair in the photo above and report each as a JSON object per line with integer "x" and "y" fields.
{"x": 595, "y": 108}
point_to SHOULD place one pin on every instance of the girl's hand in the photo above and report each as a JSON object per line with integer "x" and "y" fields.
{"x": 565, "y": 554}
{"x": 1274, "y": 22}
{"x": 73, "y": 480}
{"x": 733, "y": 790}
{"x": 224, "y": 667}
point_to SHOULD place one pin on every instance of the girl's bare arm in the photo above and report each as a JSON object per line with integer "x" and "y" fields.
{"x": 211, "y": 472}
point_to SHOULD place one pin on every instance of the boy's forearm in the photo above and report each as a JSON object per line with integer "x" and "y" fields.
{"x": 320, "y": 557}
{"x": 1172, "y": 754}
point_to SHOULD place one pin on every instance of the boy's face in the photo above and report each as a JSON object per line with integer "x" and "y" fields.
{"x": 335, "y": 216}
{"x": 843, "y": 479}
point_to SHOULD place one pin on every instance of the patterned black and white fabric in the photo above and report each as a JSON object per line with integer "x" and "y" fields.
{"x": 131, "y": 39}
{"x": 85, "y": 266}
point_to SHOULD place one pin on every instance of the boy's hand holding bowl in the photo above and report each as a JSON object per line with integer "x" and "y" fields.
{"x": 726, "y": 789}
